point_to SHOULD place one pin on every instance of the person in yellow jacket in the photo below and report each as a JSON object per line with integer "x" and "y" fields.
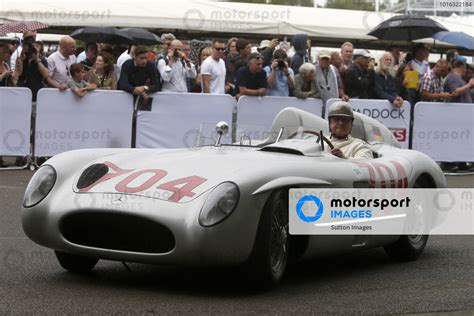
{"x": 341, "y": 118}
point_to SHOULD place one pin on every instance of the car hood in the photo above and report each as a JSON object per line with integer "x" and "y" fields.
{"x": 176, "y": 175}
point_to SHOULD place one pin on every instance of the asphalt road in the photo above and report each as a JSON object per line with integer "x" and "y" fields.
{"x": 32, "y": 282}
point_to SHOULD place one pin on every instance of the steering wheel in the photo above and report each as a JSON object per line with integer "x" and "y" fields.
{"x": 318, "y": 134}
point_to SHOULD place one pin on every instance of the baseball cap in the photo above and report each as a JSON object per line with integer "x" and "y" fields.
{"x": 361, "y": 52}
{"x": 264, "y": 43}
{"x": 324, "y": 54}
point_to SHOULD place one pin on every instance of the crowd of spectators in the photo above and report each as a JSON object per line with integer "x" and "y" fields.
{"x": 235, "y": 67}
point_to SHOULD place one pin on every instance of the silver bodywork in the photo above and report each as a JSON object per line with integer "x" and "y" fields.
{"x": 257, "y": 172}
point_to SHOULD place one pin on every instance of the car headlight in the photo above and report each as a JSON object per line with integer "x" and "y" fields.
{"x": 40, "y": 185}
{"x": 220, "y": 204}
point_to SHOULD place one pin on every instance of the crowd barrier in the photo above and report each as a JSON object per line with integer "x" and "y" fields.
{"x": 104, "y": 119}
{"x": 255, "y": 115}
{"x": 15, "y": 121}
{"x": 179, "y": 120}
{"x": 397, "y": 120}
{"x": 64, "y": 121}
{"x": 444, "y": 131}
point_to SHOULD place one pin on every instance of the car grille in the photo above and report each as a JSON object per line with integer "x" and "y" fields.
{"x": 109, "y": 230}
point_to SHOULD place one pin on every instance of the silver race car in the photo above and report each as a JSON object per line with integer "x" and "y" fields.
{"x": 218, "y": 205}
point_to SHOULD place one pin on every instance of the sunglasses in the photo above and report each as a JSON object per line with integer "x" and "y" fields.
{"x": 220, "y": 49}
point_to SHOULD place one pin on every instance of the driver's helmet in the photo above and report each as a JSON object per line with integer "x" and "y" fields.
{"x": 341, "y": 108}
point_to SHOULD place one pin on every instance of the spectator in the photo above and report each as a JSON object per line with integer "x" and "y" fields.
{"x": 59, "y": 63}
{"x": 33, "y": 68}
{"x": 91, "y": 55}
{"x": 450, "y": 55}
{"x": 405, "y": 92}
{"x": 279, "y": 76}
{"x": 103, "y": 74}
{"x": 385, "y": 85}
{"x": 336, "y": 61}
{"x": 305, "y": 83}
{"x": 432, "y": 87}
{"x": 8, "y": 77}
{"x": 203, "y": 54}
{"x": 232, "y": 47}
{"x": 267, "y": 48}
{"x": 328, "y": 80}
{"x": 359, "y": 79}
{"x": 77, "y": 84}
{"x": 213, "y": 70}
{"x": 347, "y": 52}
{"x": 252, "y": 80}
{"x": 420, "y": 61}
{"x": 39, "y": 48}
{"x": 126, "y": 55}
{"x": 15, "y": 51}
{"x": 301, "y": 43}
{"x": 395, "y": 51}
{"x": 167, "y": 38}
{"x": 455, "y": 84}
{"x": 244, "y": 48}
{"x": 139, "y": 76}
{"x": 175, "y": 68}
{"x": 230, "y": 60}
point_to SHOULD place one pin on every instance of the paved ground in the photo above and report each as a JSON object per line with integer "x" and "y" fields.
{"x": 31, "y": 281}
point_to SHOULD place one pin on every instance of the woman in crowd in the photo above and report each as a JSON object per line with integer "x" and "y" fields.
{"x": 203, "y": 54}
{"x": 408, "y": 94}
{"x": 305, "y": 83}
{"x": 8, "y": 77}
{"x": 103, "y": 74}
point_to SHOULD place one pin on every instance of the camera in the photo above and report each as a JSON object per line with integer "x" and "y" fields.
{"x": 176, "y": 53}
{"x": 281, "y": 64}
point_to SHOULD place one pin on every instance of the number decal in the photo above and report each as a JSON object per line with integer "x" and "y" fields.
{"x": 108, "y": 176}
{"x": 190, "y": 183}
{"x": 376, "y": 168}
{"x": 123, "y": 187}
{"x": 181, "y": 187}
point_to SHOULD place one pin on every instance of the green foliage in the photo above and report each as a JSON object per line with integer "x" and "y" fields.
{"x": 365, "y": 5}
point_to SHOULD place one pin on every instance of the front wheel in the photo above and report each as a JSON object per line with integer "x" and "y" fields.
{"x": 75, "y": 263}
{"x": 267, "y": 262}
{"x": 407, "y": 248}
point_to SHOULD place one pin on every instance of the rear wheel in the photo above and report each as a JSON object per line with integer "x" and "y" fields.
{"x": 410, "y": 247}
{"x": 75, "y": 263}
{"x": 267, "y": 262}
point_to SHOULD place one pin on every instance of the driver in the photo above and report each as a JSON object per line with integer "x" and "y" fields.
{"x": 341, "y": 118}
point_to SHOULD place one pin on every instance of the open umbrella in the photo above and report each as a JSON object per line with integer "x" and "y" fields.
{"x": 142, "y": 36}
{"x": 102, "y": 35}
{"x": 21, "y": 26}
{"x": 406, "y": 28}
{"x": 459, "y": 39}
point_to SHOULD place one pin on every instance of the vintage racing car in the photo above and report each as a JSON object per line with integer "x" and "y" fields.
{"x": 218, "y": 205}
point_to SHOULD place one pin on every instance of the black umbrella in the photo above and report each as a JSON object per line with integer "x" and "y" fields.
{"x": 406, "y": 28}
{"x": 142, "y": 36}
{"x": 102, "y": 35}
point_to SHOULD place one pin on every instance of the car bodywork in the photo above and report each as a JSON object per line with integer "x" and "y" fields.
{"x": 144, "y": 205}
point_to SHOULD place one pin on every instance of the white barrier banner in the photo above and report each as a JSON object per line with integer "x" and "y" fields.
{"x": 396, "y": 120}
{"x": 178, "y": 120}
{"x": 444, "y": 131}
{"x": 64, "y": 121}
{"x": 15, "y": 121}
{"x": 255, "y": 115}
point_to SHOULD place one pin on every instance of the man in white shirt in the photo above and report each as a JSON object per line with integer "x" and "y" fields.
{"x": 340, "y": 118}
{"x": 420, "y": 62}
{"x": 175, "y": 68}
{"x": 126, "y": 55}
{"x": 60, "y": 62}
{"x": 213, "y": 70}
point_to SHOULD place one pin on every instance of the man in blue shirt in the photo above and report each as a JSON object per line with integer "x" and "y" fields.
{"x": 139, "y": 76}
{"x": 455, "y": 84}
{"x": 252, "y": 80}
{"x": 279, "y": 76}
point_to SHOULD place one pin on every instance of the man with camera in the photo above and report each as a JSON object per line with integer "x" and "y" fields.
{"x": 175, "y": 68}
{"x": 279, "y": 76}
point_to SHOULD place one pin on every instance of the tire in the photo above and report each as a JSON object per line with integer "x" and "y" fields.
{"x": 409, "y": 247}
{"x": 267, "y": 262}
{"x": 75, "y": 263}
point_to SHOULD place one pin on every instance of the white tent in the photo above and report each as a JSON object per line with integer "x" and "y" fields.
{"x": 208, "y": 17}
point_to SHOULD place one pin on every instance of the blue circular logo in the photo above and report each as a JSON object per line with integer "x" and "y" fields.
{"x": 309, "y": 199}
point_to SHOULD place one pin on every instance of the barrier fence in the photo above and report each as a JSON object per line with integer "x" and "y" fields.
{"x": 104, "y": 119}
